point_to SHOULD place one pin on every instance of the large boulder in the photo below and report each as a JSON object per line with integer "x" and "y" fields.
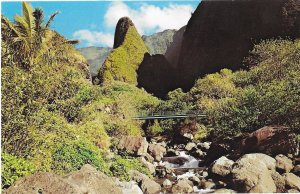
{"x": 271, "y": 140}
{"x": 92, "y": 181}
{"x": 279, "y": 182}
{"x": 86, "y": 180}
{"x": 182, "y": 186}
{"x": 129, "y": 187}
{"x": 222, "y": 166}
{"x": 147, "y": 185}
{"x": 133, "y": 145}
{"x": 253, "y": 173}
{"x": 292, "y": 181}
{"x": 147, "y": 164}
{"x": 157, "y": 151}
{"x": 43, "y": 182}
{"x": 283, "y": 163}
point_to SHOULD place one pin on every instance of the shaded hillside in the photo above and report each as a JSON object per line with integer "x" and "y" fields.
{"x": 159, "y": 42}
{"x": 172, "y": 53}
{"x": 155, "y": 75}
{"x": 127, "y": 55}
{"x": 95, "y": 57}
{"x": 221, "y": 33}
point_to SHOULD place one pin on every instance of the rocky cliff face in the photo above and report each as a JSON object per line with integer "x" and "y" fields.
{"x": 95, "y": 57}
{"x": 221, "y": 33}
{"x": 159, "y": 42}
{"x": 155, "y": 75}
{"x": 172, "y": 53}
{"x": 127, "y": 55}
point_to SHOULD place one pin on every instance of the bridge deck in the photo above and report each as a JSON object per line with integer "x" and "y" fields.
{"x": 150, "y": 117}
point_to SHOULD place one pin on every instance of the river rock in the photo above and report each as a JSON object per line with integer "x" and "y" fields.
{"x": 253, "y": 173}
{"x": 182, "y": 186}
{"x": 147, "y": 185}
{"x": 129, "y": 187}
{"x": 271, "y": 140}
{"x": 190, "y": 146}
{"x": 292, "y": 181}
{"x": 167, "y": 183}
{"x": 204, "y": 145}
{"x": 279, "y": 182}
{"x": 293, "y": 191}
{"x": 208, "y": 184}
{"x": 85, "y": 180}
{"x": 283, "y": 163}
{"x": 44, "y": 182}
{"x": 149, "y": 158}
{"x": 147, "y": 164}
{"x": 157, "y": 151}
{"x": 223, "y": 190}
{"x": 196, "y": 181}
{"x": 296, "y": 170}
{"x": 222, "y": 166}
{"x": 133, "y": 145}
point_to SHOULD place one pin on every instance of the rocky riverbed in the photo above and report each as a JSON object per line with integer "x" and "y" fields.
{"x": 226, "y": 166}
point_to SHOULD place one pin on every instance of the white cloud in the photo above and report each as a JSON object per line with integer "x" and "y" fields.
{"x": 147, "y": 19}
{"x": 150, "y": 17}
{"x": 94, "y": 38}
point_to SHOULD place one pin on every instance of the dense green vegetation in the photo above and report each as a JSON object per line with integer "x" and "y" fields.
{"x": 122, "y": 62}
{"x": 243, "y": 101}
{"x": 53, "y": 118}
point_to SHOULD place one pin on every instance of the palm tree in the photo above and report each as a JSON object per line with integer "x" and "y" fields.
{"x": 25, "y": 39}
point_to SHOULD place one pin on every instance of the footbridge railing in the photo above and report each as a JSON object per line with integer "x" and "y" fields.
{"x": 167, "y": 115}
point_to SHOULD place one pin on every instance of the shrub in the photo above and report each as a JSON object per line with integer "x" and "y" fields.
{"x": 121, "y": 167}
{"x": 73, "y": 155}
{"x": 14, "y": 168}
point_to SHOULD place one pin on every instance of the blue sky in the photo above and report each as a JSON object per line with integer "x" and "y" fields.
{"x": 93, "y": 22}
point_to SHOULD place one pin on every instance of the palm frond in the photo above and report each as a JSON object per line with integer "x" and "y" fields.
{"x": 51, "y": 19}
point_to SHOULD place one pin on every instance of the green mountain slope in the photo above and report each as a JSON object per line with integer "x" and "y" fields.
{"x": 159, "y": 42}
{"x": 95, "y": 57}
{"x": 125, "y": 59}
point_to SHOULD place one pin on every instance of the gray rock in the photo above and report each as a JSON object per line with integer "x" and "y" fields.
{"x": 148, "y": 186}
{"x": 182, "y": 186}
{"x": 283, "y": 163}
{"x": 195, "y": 180}
{"x": 296, "y": 170}
{"x": 208, "y": 184}
{"x": 222, "y": 166}
{"x": 129, "y": 187}
{"x": 167, "y": 183}
{"x": 85, "y": 180}
{"x": 253, "y": 173}
{"x": 147, "y": 164}
{"x": 293, "y": 191}
{"x": 157, "y": 151}
{"x": 279, "y": 182}
{"x": 204, "y": 145}
{"x": 133, "y": 145}
{"x": 292, "y": 180}
{"x": 223, "y": 190}
{"x": 190, "y": 146}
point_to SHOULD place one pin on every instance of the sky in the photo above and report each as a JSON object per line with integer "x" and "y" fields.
{"x": 93, "y": 22}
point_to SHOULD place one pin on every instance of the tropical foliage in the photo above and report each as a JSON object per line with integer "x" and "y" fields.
{"x": 52, "y": 115}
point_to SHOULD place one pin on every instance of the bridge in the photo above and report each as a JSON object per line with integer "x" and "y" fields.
{"x": 168, "y": 115}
